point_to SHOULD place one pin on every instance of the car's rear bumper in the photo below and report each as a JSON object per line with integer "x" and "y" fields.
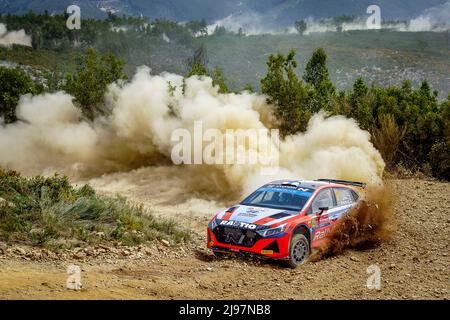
{"x": 273, "y": 247}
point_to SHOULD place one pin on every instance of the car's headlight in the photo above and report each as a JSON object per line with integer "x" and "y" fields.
{"x": 272, "y": 231}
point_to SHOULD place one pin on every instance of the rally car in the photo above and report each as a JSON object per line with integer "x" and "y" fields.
{"x": 283, "y": 219}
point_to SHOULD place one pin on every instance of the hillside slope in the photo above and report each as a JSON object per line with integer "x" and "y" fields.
{"x": 284, "y": 11}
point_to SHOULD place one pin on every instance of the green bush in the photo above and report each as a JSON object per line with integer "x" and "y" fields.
{"x": 42, "y": 210}
{"x": 409, "y": 126}
{"x": 440, "y": 159}
{"x": 316, "y": 75}
{"x": 387, "y": 137}
{"x": 13, "y": 84}
{"x": 89, "y": 84}
{"x": 287, "y": 92}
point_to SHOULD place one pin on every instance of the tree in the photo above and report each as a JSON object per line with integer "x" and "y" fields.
{"x": 198, "y": 67}
{"x": 360, "y": 109}
{"x": 418, "y": 112}
{"x": 198, "y": 63}
{"x": 445, "y": 116}
{"x": 88, "y": 85}
{"x": 173, "y": 30}
{"x": 316, "y": 72}
{"x": 198, "y": 27}
{"x": 220, "y": 31}
{"x": 219, "y": 80}
{"x": 112, "y": 17}
{"x": 53, "y": 80}
{"x": 300, "y": 26}
{"x": 440, "y": 151}
{"x": 440, "y": 159}
{"x": 316, "y": 75}
{"x": 248, "y": 87}
{"x": 387, "y": 137}
{"x": 286, "y": 92}
{"x": 13, "y": 84}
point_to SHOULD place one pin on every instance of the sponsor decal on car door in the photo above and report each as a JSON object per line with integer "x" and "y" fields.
{"x": 341, "y": 205}
{"x": 320, "y": 222}
{"x": 322, "y": 229}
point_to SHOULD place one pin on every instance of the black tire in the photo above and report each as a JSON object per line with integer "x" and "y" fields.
{"x": 299, "y": 251}
{"x": 218, "y": 254}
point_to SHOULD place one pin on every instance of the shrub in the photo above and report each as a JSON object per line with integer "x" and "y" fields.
{"x": 89, "y": 84}
{"x": 408, "y": 125}
{"x": 387, "y": 137}
{"x": 13, "y": 84}
{"x": 440, "y": 159}
{"x": 287, "y": 92}
{"x": 41, "y": 211}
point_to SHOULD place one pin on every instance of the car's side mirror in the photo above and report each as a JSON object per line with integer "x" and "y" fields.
{"x": 322, "y": 210}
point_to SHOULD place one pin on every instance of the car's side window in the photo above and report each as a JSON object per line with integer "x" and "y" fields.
{"x": 343, "y": 196}
{"x": 323, "y": 199}
{"x": 355, "y": 196}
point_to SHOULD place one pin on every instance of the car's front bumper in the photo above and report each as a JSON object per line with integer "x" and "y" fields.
{"x": 276, "y": 247}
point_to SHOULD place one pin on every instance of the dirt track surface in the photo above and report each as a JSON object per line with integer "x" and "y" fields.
{"x": 414, "y": 264}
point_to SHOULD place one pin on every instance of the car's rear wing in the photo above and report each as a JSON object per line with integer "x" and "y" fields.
{"x": 350, "y": 183}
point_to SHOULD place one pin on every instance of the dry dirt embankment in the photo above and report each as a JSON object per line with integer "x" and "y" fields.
{"x": 414, "y": 264}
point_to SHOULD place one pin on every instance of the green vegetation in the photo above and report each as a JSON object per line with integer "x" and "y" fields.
{"x": 198, "y": 64}
{"x": 88, "y": 85}
{"x": 199, "y": 67}
{"x": 408, "y": 126}
{"x": 407, "y": 121}
{"x": 219, "y": 80}
{"x": 300, "y": 26}
{"x": 287, "y": 92}
{"x": 161, "y": 44}
{"x": 50, "y": 212}
{"x": 380, "y": 57}
{"x": 13, "y": 84}
{"x": 316, "y": 75}
{"x": 439, "y": 159}
{"x": 167, "y": 46}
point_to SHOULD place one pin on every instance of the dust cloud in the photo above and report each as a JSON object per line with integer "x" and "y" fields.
{"x": 366, "y": 226}
{"x": 52, "y": 136}
{"x": 8, "y": 38}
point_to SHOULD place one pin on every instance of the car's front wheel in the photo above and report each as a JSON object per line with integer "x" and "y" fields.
{"x": 218, "y": 254}
{"x": 299, "y": 250}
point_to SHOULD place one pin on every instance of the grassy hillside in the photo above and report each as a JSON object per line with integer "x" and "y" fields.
{"x": 382, "y": 57}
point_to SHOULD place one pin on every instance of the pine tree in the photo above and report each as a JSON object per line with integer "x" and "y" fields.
{"x": 286, "y": 92}
{"x": 360, "y": 109}
{"x": 321, "y": 89}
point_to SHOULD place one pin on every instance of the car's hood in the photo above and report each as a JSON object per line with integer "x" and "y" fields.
{"x": 255, "y": 215}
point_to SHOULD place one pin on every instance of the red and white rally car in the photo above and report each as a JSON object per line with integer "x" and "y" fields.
{"x": 283, "y": 219}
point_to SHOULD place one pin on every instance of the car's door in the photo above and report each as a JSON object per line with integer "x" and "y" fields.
{"x": 345, "y": 200}
{"x": 319, "y": 210}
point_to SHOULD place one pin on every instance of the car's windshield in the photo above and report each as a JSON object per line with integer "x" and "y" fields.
{"x": 278, "y": 198}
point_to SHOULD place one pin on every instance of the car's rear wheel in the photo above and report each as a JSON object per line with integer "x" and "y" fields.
{"x": 299, "y": 251}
